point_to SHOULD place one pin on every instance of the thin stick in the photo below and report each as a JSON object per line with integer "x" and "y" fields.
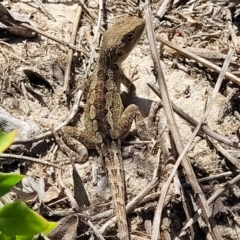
{"x": 56, "y": 39}
{"x": 83, "y": 5}
{"x": 214, "y": 94}
{"x": 176, "y": 136}
{"x": 212, "y": 177}
{"x": 24, "y": 158}
{"x": 44, "y": 10}
{"x": 198, "y": 59}
{"x": 70, "y": 51}
{"x": 194, "y": 122}
{"x": 49, "y": 133}
{"x": 96, "y": 37}
{"x": 209, "y": 201}
{"x": 225, "y": 153}
{"x": 67, "y": 191}
{"x": 96, "y": 232}
{"x": 163, "y": 8}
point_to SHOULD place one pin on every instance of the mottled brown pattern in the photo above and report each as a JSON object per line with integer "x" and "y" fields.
{"x": 105, "y": 120}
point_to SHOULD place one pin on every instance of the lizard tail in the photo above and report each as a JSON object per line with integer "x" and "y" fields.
{"x": 114, "y": 166}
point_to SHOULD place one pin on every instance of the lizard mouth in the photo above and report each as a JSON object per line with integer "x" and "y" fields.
{"x": 128, "y": 42}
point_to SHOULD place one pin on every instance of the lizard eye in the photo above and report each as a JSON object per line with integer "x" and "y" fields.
{"x": 128, "y": 37}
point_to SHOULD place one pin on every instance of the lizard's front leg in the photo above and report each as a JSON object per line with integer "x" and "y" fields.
{"x": 125, "y": 81}
{"x": 131, "y": 113}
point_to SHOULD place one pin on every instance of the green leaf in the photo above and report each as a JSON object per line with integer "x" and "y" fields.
{"x": 51, "y": 226}
{"x": 7, "y": 181}
{"x": 6, "y": 139}
{"x": 4, "y": 237}
{"x": 17, "y": 219}
{"x": 24, "y": 237}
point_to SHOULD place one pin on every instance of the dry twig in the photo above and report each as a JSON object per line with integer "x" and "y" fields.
{"x": 198, "y": 59}
{"x": 70, "y": 51}
{"x": 205, "y": 129}
{"x": 29, "y": 159}
{"x": 179, "y": 145}
{"x": 66, "y": 122}
{"x": 56, "y": 39}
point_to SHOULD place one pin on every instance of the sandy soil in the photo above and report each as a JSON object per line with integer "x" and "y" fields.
{"x": 190, "y": 86}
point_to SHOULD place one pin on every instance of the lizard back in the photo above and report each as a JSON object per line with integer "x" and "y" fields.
{"x": 118, "y": 41}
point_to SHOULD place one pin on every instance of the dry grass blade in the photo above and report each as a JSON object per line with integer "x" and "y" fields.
{"x": 194, "y": 123}
{"x": 80, "y": 193}
{"x": 225, "y": 153}
{"x": 53, "y": 38}
{"x": 66, "y": 229}
{"x": 204, "y": 117}
{"x": 96, "y": 37}
{"x": 175, "y": 132}
{"x": 69, "y": 118}
{"x": 70, "y": 51}
{"x": 198, "y": 59}
{"x": 68, "y": 192}
{"x": 210, "y": 201}
{"x": 83, "y": 5}
{"x": 216, "y": 89}
{"x": 29, "y": 159}
{"x": 98, "y": 235}
{"x": 42, "y": 7}
{"x": 221, "y": 190}
{"x": 163, "y": 8}
{"x": 230, "y": 28}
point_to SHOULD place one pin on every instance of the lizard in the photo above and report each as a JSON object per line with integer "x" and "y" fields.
{"x": 105, "y": 120}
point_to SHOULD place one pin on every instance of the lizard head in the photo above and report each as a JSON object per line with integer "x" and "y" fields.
{"x": 120, "y": 39}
